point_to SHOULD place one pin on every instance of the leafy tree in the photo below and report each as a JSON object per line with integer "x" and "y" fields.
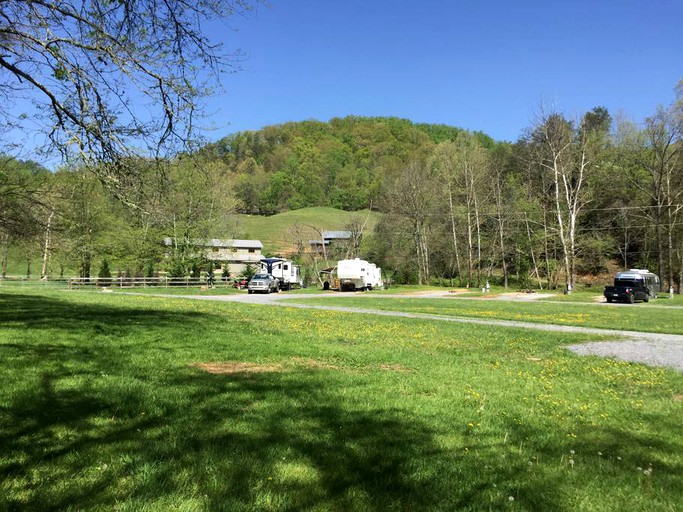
{"x": 566, "y": 154}
{"x": 412, "y": 198}
{"x": 20, "y": 196}
{"x": 85, "y": 218}
{"x": 105, "y": 273}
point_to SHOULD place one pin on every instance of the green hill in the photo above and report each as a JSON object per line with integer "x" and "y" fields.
{"x": 343, "y": 163}
{"x": 279, "y": 233}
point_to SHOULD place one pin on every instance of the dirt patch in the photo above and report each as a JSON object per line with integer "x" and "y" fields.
{"x": 313, "y": 364}
{"x": 678, "y": 398}
{"x": 430, "y": 293}
{"x": 233, "y": 367}
{"x": 394, "y": 368}
{"x": 523, "y": 296}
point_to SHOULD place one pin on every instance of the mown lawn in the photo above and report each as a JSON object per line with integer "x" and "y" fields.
{"x": 113, "y": 402}
{"x": 656, "y": 316}
{"x": 279, "y": 232}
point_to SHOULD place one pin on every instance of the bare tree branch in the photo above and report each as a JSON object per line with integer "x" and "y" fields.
{"x": 109, "y": 80}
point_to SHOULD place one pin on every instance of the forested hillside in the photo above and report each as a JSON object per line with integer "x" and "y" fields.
{"x": 343, "y": 163}
{"x": 571, "y": 199}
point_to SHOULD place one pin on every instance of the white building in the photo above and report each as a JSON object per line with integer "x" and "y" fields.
{"x": 234, "y": 255}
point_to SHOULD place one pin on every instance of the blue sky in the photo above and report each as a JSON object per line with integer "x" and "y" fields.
{"x": 485, "y": 66}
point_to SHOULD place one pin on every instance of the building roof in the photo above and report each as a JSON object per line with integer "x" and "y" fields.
{"x": 336, "y": 235}
{"x": 216, "y": 242}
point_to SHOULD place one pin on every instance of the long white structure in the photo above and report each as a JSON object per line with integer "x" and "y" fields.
{"x": 286, "y": 271}
{"x": 357, "y": 274}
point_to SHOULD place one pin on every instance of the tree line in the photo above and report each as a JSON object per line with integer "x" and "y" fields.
{"x": 572, "y": 198}
{"x": 569, "y": 200}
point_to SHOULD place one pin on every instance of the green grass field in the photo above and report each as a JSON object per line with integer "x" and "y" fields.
{"x": 131, "y": 402}
{"x": 659, "y": 315}
{"x": 274, "y": 231}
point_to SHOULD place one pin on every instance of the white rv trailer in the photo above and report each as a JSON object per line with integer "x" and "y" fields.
{"x": 374, "y": 277}
{"x": 286, "y": 271}
{"x": 357, "y": 274}
{"x": 352, "y": 274}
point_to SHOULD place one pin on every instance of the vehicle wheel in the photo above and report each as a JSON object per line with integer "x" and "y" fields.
{"x": 249, "y": 292}
{"x": 647, "y": 298}
{"x": 609, "y": 299}
{"x": 632, "y": 299}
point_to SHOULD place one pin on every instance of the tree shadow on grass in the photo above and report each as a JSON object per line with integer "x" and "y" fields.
{"x": 51, "y": 313}
{"x": 78, "y": 431}
{"x": 235, "y": 443}
{"x": 541, "y": 472}
{"x": 281, "y": 441}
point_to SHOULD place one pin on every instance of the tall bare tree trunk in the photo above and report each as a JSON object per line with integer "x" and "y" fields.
{"x": 501, "y": 230}
{"x": 453, "y": 230}
{"x": 5, "y": 253}
{"x": 478, "y": 228}
{"x": 46, "y": 247}
{"x": 470, "y": 250}
{"x": 533, "y": 254}
{"x": 546, "y": 248}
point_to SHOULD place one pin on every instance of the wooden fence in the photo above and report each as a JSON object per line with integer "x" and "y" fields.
{"x": 136, "y": 282}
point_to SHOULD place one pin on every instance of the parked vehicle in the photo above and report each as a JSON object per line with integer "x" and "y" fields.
{"x": 240, "y": 283}
{"x": 632, "y": 285}
{"x": 329, "y": 279}
{"x": 357, "y": 274}
{"x": 375, "y": 276}
{"x": 263, "y": 283}
{"x": 287, "y": 272}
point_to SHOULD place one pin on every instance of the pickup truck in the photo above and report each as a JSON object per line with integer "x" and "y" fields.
{"x": 633, "y": 285}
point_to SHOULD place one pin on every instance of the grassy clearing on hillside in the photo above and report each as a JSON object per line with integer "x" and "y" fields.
{"x": 274, "y": 231}
{"x": 650, "y": 317}
{"x": 139, "y": 403}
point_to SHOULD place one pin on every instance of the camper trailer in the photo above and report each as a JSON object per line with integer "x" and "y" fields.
{"x": 374, "y": 277}
{"x": 358, "y": 274}
{"x": 286, "y": 272}
{"x": 632, "y": 285}
{"x": 353, "y": 274}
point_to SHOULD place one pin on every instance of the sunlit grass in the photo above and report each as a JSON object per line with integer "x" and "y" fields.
{"x": 103, "y": 407}
{"x": 275, "y": 231}
{"x": 645, "y": 317}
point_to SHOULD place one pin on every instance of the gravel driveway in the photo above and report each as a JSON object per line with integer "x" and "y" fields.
{"x": 639, "y": 347}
